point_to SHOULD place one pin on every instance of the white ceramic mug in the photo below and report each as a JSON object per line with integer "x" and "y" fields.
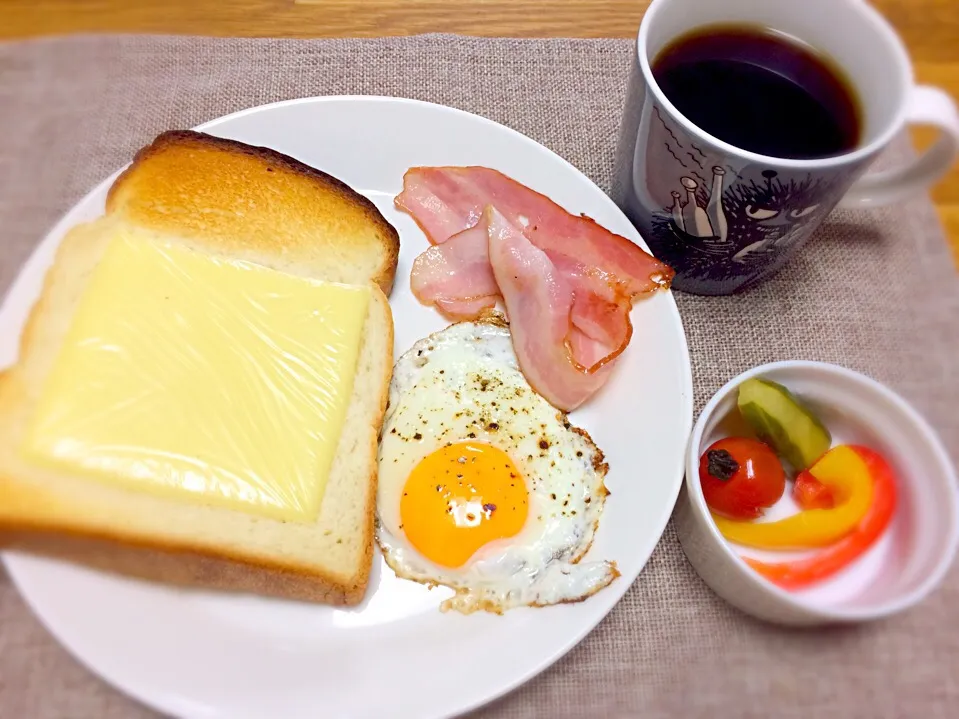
{"x": 753, "y": 212}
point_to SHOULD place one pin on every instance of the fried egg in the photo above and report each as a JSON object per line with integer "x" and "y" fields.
{"x": 485, "y": 487}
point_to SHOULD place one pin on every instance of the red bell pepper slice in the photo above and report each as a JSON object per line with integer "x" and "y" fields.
{"x": 803, "y": 572}
{"x": 810, "y": 493}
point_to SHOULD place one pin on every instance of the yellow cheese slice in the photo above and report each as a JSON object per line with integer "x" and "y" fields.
{"x": 202, "y": 378}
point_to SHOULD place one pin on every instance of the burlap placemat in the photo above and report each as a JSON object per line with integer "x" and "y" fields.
{"x": 875, "y": 292}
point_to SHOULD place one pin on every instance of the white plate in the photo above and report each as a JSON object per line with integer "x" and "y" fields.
{"x": 198, "y": 654}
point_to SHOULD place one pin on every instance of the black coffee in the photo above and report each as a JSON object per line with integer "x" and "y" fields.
{"x": 761, "y": 91}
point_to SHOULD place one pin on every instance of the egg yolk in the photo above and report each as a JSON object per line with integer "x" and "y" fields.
{"x": 459, "y": 498}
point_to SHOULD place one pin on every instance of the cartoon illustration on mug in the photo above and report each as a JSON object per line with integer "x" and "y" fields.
{"x": 694, "y": 220}
{"x": 726, "y": 226}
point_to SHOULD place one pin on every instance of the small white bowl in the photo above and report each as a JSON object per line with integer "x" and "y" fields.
{"x": 903, "y": 566}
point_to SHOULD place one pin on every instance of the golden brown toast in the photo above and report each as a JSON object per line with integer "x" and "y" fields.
{"x": 247, "y": 203}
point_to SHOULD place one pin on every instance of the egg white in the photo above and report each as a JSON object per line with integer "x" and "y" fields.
{"x": 464, "y": 384}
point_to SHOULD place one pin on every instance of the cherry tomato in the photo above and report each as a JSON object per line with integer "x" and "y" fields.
{"x": 741, "y": 477}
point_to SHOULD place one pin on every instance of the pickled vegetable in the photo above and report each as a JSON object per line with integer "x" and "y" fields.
{"x": 781, "y": 420}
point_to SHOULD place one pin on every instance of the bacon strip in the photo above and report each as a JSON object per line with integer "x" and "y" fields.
{"x": 458, "y": 269}
{"x": 446, "y": 200}
{"x": 538, "y": 300}
{"x": 468, "y": 309}
{"x": 456, "y": 277}
{"x": 600, "y": 311}
{"x": 567, "y": 282}
{"x": 586, "y": 354}
{"x": 604, "y": 322}
{"x": 422, "y": 197}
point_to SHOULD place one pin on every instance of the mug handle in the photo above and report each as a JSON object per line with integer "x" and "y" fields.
{"x": 927, "y": 106}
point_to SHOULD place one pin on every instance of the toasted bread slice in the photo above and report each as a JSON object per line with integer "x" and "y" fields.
{"x": 255, "y": 204}
{"x": 246, "y": 203}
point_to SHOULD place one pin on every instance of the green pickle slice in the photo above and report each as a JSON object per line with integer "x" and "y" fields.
{"x": 780, "y": 420}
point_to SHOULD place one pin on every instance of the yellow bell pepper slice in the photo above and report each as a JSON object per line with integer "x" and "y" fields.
{"x": 847, "y": 475}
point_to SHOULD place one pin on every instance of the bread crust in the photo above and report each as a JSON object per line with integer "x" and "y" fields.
{"x": 183, "y": 566}
{"x": 270, "y": 161}
{"x": 176, "y": 562}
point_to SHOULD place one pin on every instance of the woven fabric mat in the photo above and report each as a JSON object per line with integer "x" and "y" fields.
{"x": 875, "y": 292}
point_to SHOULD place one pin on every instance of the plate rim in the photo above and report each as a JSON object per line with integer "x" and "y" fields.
{"x": 575, "y": 638}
